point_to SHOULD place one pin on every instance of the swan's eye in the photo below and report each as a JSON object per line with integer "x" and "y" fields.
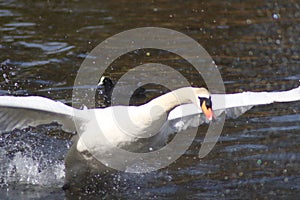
{"x": 207, "y": 101}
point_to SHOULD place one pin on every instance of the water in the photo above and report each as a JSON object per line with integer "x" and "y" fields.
{"x": 255, "y": 45}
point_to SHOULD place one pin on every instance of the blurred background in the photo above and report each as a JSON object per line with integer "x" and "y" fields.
{"x": 255, "y": 44}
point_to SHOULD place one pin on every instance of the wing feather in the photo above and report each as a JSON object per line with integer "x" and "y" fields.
{"x": 21, "y": 112}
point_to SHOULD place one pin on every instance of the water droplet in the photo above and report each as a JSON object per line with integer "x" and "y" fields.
{"x": 259, "y": 162}
{"x": 12, "y": 73}
{"x": 276, "y": 16}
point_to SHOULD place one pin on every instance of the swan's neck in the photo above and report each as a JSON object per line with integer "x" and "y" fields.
{"x": 169, "y": 101}
{"x": 148, "y": 119}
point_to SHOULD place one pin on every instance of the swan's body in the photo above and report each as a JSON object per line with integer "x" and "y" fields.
{"x": 122, "y": 126}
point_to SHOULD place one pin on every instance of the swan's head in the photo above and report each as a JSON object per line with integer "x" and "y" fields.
{"x": 205, "y": 103}
{"x": 107, "y": 83}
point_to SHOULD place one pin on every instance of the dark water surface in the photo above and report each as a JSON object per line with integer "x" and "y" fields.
{"x": 255, "y": 44}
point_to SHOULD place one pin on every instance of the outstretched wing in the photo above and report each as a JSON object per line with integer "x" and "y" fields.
{"x": 236, "y": 104}
{"x": 21, "y": 112}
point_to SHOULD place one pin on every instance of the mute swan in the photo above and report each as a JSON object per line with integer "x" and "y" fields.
{"x": 145, "y": 120}
{"x": 20, "y": 112}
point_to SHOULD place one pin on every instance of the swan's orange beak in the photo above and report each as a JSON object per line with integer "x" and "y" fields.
{"x": 207, "y": 111}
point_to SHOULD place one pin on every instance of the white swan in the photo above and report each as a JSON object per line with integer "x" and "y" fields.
{"x": 145, "y": 120}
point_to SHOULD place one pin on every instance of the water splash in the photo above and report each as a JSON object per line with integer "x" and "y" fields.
{"x": 23, "y": 169}
{"x": 29, "y": 157}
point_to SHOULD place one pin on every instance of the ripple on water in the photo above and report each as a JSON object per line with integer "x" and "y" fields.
{"x": 286, "y": 156}
{"x": 34, "y": 63}
{"x": 20, "y": 24}
{"x": 7, "y": 13}
{"x": 48, "y": 47}
{"x": 241, "y": 147}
